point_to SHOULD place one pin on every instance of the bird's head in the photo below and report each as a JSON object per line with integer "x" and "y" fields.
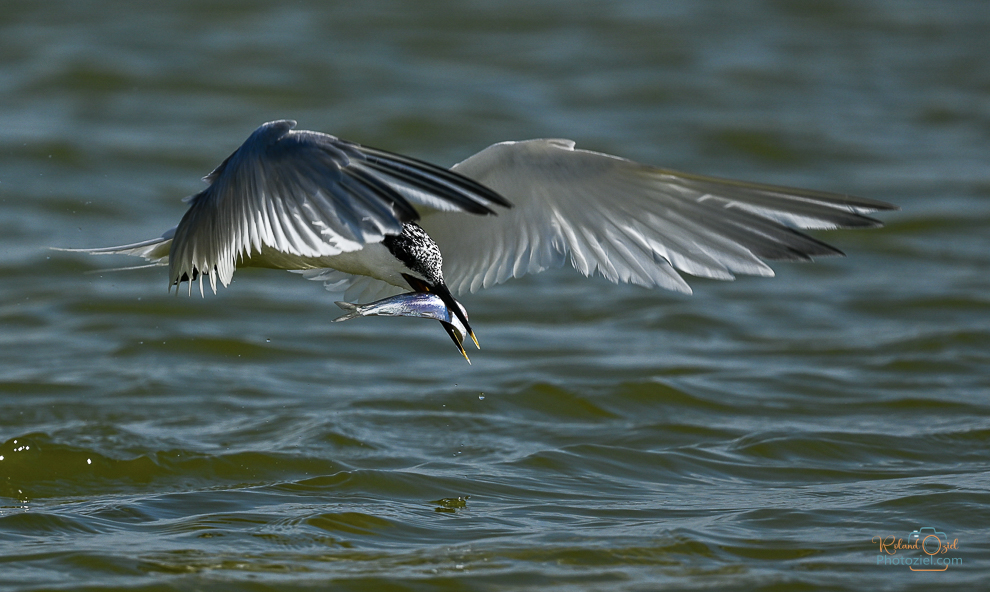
{"x": 438, "y": 287}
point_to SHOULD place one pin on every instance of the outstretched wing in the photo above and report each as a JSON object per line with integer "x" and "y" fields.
{"x": 627, "y": 221}
{"x": 305, "y": 195}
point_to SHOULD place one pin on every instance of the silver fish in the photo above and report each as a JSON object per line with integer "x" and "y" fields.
{"x": 412, "y": 304}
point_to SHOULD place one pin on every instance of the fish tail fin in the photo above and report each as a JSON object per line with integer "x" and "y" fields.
{"x": 352, "y": 308}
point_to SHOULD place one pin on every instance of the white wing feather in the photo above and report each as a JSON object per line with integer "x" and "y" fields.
{"x": 295, "y": 196}
{"x": 627, "y": 221}
{"x": 154, "y": 250}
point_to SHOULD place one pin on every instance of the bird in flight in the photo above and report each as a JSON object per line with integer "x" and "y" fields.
{"x": 371, "y": 223}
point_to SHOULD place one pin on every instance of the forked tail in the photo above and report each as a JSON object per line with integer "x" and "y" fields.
{"x": 353, "y": 308}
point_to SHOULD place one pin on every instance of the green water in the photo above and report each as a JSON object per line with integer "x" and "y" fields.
{"x": 756, "y": 435}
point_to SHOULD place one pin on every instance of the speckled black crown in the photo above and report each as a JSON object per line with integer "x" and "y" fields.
{"x": 417, "y": 251}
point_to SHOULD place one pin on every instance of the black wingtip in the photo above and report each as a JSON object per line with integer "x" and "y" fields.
{"x": 463, "y": 191}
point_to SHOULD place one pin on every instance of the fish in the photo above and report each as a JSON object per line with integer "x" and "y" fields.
{"x": 424, "y": 305}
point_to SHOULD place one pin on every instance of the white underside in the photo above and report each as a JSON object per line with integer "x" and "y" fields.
{"x": 374, "y": 260}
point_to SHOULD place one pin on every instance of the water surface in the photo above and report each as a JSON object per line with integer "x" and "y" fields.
{"x": 756, "y": 435}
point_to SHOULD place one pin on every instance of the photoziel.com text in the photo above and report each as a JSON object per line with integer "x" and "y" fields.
{"x": 926, "y": 549}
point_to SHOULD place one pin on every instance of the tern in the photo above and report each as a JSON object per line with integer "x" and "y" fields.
{"x": 372, "y": 223}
